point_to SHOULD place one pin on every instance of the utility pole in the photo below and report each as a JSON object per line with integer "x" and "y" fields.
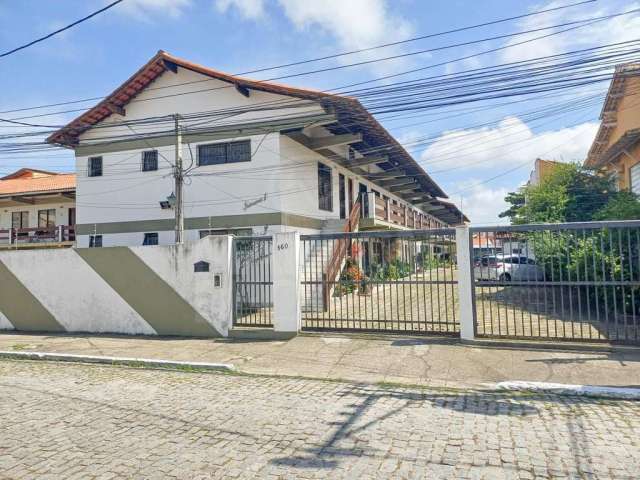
{"x": 178, "y": 175}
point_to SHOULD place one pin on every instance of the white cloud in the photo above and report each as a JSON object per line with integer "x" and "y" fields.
{"x": 509, "y": 143}
{"x": 481, "y": 203}
{"x": 618, "y": 29}
{"x": 249, "y": 9}
{"x": 355, "y": 24}
{"x": 143, "y": 9}
{"x": 485, "y": 152}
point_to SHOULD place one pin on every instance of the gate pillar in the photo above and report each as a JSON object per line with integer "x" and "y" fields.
{"x": 286, "y": 282}
{"x": 465, "y": 283}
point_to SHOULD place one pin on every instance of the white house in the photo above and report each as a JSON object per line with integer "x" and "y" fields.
{"x": 37, "y": 209}
{"x": 261, "y": 157}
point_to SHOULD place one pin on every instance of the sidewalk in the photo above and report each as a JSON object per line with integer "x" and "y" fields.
{"x": 437, "y": 362}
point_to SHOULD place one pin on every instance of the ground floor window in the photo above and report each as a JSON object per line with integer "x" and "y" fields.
{"x": 150, "y": 239}
{"x": 95, "y": 241}
{"x": 325, "y": 188}
{"x": 238, "y": 232}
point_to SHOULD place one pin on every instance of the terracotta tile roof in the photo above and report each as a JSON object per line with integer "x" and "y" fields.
{"x": 26, "y": 181}
{"x": 348, "y": 110}
{"x": 609, "y": 111}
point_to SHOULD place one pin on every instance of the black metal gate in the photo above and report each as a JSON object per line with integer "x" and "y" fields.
{"x": 569, "y": 282}
{"x": 391, "y": 281}
{"x": 252, "y": 282}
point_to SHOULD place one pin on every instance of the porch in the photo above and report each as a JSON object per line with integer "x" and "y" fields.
{"x": 58, "y": 236}
{"x": 382, "y": 213}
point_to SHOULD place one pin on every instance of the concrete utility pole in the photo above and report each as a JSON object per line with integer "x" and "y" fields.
{"x": 178, "y": 175}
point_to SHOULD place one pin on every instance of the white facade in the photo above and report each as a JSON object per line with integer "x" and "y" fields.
{"x": 122, "y": 204}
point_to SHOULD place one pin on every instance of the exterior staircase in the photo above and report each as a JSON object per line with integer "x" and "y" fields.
{"x": 323, "y": 261}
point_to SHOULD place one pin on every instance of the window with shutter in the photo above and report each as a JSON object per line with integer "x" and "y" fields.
{"x": 149, "y": 160}
{"x": 95, "y": 167}
{"x": 219, "y": 153}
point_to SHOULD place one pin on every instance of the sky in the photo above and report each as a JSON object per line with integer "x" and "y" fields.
{"x": 236, "y": 36}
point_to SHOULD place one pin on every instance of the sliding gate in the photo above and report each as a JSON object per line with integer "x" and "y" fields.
{"x": 569, "y": 282}
{"x": 391, "y": 281}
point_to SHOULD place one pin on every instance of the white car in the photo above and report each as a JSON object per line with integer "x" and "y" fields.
{"x": 506, "y": 268}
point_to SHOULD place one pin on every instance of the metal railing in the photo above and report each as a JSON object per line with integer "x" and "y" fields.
{"x": 392, "y": 281}
{"x": 387, "y": 210}
{"x": 252, "y": 282}
{"x": 34, "y": 235}
{"x": 572, "y": 281}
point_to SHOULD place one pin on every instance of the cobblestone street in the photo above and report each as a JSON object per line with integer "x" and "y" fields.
{"x": 78, "y": 421}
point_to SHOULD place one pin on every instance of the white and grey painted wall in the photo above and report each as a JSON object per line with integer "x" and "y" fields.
{"x": 137, "y": 290}
{"x": 280, "y": 180}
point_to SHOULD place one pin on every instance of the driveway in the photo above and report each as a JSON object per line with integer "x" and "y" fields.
{"x": 79, "y": 421}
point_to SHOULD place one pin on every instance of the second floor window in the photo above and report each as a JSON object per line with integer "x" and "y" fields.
{"x": 634, "y": 178}
{"x": 19, "y": 220}
{"x": 230, "y": 152}
{"x": 47, "y": 218}
{"x": 95, "y": 167}
{"x": 149, "y": 160}
{"x": 325, "y": 188}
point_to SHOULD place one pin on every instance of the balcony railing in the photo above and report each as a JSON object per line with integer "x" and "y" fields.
{"x": 396, "y": 213}
{"x": 37, "y": 235}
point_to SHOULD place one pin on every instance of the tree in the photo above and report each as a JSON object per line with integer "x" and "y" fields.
{"x": 571, "y": 193}
{"x": 621, "y": 206}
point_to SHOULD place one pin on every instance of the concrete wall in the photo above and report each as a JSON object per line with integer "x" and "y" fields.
{"x": 138, "y": 290}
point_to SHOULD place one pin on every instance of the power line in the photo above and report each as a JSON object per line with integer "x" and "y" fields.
{"x": 60, "y": 30}
{"x": 301, "y": 62}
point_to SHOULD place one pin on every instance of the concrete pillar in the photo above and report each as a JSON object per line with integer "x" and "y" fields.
{"x": 465, "y": 284}
{"x": 286, "y": 282}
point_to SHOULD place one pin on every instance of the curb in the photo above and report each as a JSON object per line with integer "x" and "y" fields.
{"x": 127, "y": 361}
{"x": 619, "y": 393}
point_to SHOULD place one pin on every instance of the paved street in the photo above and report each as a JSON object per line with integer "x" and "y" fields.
{"x": 77, "y": 421}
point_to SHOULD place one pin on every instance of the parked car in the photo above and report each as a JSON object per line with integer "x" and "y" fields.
{"x": 506, "y": 268}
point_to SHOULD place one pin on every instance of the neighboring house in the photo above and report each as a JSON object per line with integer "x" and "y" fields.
{"x": 541, "y": 170}
{"x": 263, "y": 157}
{"x": 37, "y": 209}
{"x": 616, "y": 148}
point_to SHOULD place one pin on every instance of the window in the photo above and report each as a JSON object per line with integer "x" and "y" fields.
{"x": 342, "y": 193}
{"x": 634, "y": 178}
{"x": 149, "y": 160}
{"x": 238, "y": 232}
{"x": 150, "y": 239}
{"x": 95, "y": 241}
{"x": 218, "y": 153}
{"x": 47, "y": 218}
{"x": 95, "y": 167}
{"x": 19, "y": 220}
{"x": 325, "y": 190}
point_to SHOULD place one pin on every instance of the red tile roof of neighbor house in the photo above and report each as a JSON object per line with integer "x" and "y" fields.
{"x": 30, "y": 181}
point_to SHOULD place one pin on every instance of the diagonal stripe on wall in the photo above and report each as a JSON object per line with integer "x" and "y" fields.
{"x": 148, "y": 294}
{"x": 21, "y": 308}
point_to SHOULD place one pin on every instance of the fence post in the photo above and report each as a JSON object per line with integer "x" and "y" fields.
{"x": 286, "y": 282}
{"x": 465, "y": 284}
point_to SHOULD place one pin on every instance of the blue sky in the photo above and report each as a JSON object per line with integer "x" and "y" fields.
{"x": 240, "y": 35}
